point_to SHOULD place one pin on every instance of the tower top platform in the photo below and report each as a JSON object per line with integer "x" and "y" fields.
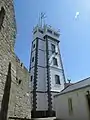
{"x": 46, "y": 30}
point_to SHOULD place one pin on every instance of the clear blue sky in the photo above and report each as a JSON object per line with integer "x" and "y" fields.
{"x": 75, "y": 33}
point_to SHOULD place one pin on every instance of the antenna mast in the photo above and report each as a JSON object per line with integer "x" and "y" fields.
{"x": 42, "y": 19}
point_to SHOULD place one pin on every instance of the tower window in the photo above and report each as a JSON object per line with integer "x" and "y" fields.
{"x": 57, "y": 79}
{"x": 19, "y": 82}
{"x": 32, "y": 59}
{"x": 53, "y": 48}
{"x": 33, "y": 45}
{"x": 21, "y": 64}
{"x": 55, "y": 61}
{"x": 31, "y": 78}
{"x": 40, "y": 31}
{"x": 2, "y": 15}
{"x": 70, "y": 106}
{"x": 49, "y": 31}
{"x": 35, "y": 31}
{"x": 57, "y": 35}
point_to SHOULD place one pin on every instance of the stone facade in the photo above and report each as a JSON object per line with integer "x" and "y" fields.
{"x": 19, "y": 105}
{"x": 18, "y": 100}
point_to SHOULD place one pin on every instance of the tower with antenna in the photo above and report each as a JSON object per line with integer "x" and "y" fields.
{"x": 46, "y": 69}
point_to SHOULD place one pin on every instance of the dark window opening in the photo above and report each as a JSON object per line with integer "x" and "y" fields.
{"x": 57, "y": 79}
{"x": 57, "y": 35}
{"x": 55, "y": 61}
{"x": 33, "y": 45}
{"x": 40, "y": 31}
{"x": 32, "y": 59}
{"x": 16, "y": 78}
{"x": 20, "y": 82}
{"x": 49, "y": 31}
{"x": 31, "y": 78}
{"x": 2, "y": 15}
{"x": 35, "y": 31}
{"x": 53, "y": 48}
{"x": 21, "y": 64}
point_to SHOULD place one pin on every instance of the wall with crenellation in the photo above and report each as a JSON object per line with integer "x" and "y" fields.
{"x": 19, "y": 99}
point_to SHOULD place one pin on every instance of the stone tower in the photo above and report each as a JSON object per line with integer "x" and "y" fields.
{"x": 14, "y": 86}
{"x": 46, "y": 69}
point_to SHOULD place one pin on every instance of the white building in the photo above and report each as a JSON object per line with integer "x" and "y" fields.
{"x": 73, "y": 103}
{"x": 46, "y": 69}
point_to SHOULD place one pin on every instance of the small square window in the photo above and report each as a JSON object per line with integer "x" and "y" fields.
{"x": 57, "y": 79}
{"x": 55, "y": 61}
{"x": 53, "y": 48}
{"x": 32, "y": 59}
{"x": 33, "y": 45}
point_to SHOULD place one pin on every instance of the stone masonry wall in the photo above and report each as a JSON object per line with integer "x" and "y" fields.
{"x": 6, "y": 43}
{"x": 19, "y": 104}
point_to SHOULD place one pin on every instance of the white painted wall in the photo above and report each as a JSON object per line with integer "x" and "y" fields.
{"x": 58, "y": 60}
{"x": 50, "y": 41}
{"x": 54, "y": 86}
{"x": 42, "y": 103}
{"x": 41, "y": 82}
{"x": 55, "y": 70}
{"x": 37, "y": 34}
{"x": 41, "y": 58}
{"x": 53, "y": 102}
{"x": 41, "y": 44}
{"x": 33, "y": 55}
{"x": 53, "y": 55}
{"x": 79, "y": 103}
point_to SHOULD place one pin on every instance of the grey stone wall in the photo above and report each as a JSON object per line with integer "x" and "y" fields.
{"x": 7, "y": 40}
{"x": 20, "y": 93}
{"x": 19, "y": 102}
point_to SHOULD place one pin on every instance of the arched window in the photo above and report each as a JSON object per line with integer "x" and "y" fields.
{"x": 2, "y": 14}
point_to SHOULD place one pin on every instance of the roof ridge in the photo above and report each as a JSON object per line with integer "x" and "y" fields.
{"x": 79, "y": 81}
